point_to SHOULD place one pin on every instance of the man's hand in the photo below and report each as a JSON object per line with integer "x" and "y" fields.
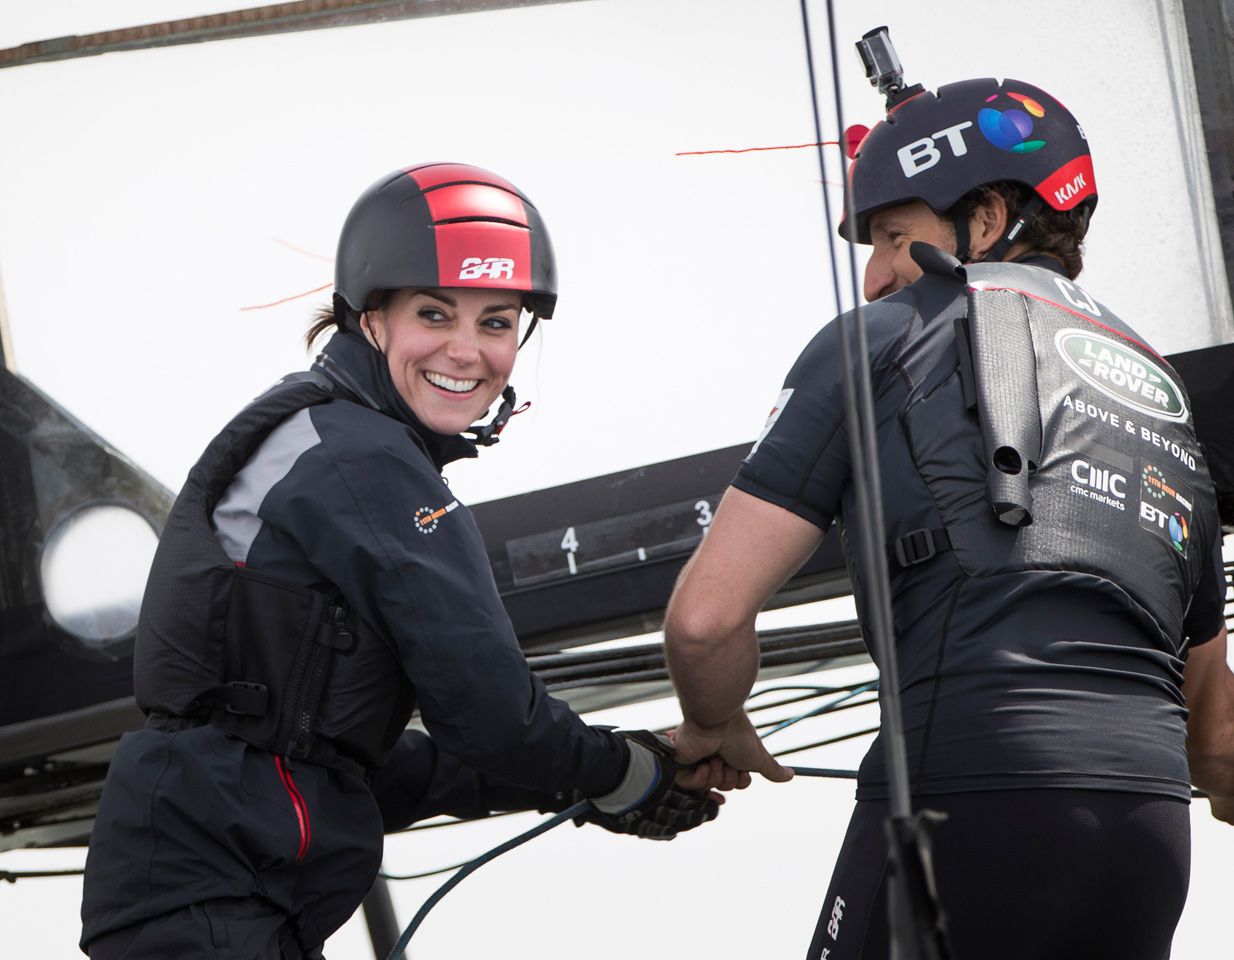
{"x": 735, "y": 743}
{"x": 712, "y": 773}
{"x": 1223, "y": 808}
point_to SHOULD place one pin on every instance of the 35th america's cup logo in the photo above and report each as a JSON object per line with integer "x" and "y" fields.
{"x": 1121, "y": 373}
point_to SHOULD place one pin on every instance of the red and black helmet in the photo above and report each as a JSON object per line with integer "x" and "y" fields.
{"x": 445, "y": 225}
{"x": 938, "y": 147}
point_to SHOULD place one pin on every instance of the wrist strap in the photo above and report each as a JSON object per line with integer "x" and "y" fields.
{"x": 641, "y": 778}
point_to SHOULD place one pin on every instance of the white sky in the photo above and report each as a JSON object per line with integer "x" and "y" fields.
{"x": 146, "y": 197}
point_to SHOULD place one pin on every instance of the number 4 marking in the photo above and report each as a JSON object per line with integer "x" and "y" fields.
{"x": 569, "y": 543}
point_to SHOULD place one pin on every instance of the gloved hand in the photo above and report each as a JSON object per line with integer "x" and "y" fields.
{"x": 648, "y": 803}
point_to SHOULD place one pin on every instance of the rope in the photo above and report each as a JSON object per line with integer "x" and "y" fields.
{"x": 473, "y": 865}
{"x": 12, "y": 876}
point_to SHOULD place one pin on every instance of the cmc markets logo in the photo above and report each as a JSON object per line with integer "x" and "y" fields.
{"x": 1010, "y": 129}
{"x": 1121, "y": 373}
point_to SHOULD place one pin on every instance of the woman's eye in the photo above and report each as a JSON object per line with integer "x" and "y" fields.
{"x": 498, "y": 323}
{"x": 431, "y": 314}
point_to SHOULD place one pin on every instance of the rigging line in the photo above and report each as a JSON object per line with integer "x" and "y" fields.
{"x": 783, "y": 703}
{"x": 791, "y": 146}
{"x": 825, "y": 743}
{"x": 454, "y": 823}
{"x": 788, "y": 687}
{"x": 832, "y": 705}
{"x": 294, "y": 296}
{"x": 421, "y": 876}
{"x": 850, "y": 705}
{"x": 818, "y": 149}
{"x": 12, "y": 876}
{"x": 307, "y": 253}
{"x": 568, "y": 814}
{"x": 863, "y": 445}
{"x": 824, "y": 772}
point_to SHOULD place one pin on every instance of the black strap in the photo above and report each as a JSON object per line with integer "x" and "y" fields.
{"x": 964, "y": 358}
{"x": 487, "y": 435}
{"x": 918, "y": 546}
{"x": 960, "y": 222}
{"x": 1027, "y": 212}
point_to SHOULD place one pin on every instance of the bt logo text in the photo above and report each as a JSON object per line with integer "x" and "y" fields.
{"x": 922, "y": 154}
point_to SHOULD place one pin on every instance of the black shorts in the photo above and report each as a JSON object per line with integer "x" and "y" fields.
{"x": 1064, "y": 874}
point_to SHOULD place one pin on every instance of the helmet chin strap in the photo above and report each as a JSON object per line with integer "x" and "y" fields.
{"x": 487, "y": 435}
{"x": 960, "y": 222}
{"x": 535, "y": 318}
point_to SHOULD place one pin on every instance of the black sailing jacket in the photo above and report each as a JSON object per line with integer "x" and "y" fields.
{"x": 344, "y": 498}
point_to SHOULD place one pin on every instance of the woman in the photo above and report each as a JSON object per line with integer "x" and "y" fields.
{"x": 316, "y": 580}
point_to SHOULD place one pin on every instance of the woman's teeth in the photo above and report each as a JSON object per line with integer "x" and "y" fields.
{"x": 446, "y": 383}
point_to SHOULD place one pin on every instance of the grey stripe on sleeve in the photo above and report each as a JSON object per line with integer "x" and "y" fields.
{"x": 236, "y": 519}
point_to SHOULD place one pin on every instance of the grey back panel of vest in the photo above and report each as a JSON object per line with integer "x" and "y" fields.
{"x": 1121, "y": 490}
{"x": 236, "y": 518}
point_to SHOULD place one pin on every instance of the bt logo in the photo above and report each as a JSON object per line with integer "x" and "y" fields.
{"x": 1009, "y": 129}
{"x": 1006, "y": 129}
{"x": 923, "y": 154}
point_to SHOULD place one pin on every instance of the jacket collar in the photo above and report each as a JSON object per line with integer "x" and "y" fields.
{"x": 363, "y": 374}
{"x": 1043, "y": 260}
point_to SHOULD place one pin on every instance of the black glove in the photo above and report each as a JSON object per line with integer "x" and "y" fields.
{"x": 648, "y": 803}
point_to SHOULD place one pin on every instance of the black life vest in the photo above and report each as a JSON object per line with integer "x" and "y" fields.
{"x": 1089, "y": 459}
{"x": 255, "y": 656}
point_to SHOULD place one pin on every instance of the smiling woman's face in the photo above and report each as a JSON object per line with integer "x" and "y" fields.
{"x": 450, "y": 351}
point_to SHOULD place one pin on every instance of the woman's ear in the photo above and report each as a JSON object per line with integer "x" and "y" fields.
{"x": 987, "y": 224}
{"x": 371, "y": 324}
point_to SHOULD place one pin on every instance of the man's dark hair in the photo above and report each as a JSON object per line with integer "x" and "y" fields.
{"x": 1055, "y": 232}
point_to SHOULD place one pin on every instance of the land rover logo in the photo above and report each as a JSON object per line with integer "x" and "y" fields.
{"x": 1121, "y": 373}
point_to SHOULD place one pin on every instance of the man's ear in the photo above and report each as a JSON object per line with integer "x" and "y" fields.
{"x": 987, "y": 224}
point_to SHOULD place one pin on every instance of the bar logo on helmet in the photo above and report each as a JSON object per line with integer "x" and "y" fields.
{"x": 495, "y": 268}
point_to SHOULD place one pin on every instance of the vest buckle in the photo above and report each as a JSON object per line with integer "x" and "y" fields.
{"x": 916, "y": 546}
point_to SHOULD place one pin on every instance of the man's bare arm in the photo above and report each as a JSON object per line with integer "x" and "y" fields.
{"x": 1208, "y": 686}
{"x": 750, "y": 550}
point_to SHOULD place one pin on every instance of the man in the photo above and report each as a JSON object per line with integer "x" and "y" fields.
{"x": 1052, "y": 542}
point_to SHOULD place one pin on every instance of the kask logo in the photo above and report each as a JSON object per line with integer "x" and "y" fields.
{"x": 1010, "y": 129}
